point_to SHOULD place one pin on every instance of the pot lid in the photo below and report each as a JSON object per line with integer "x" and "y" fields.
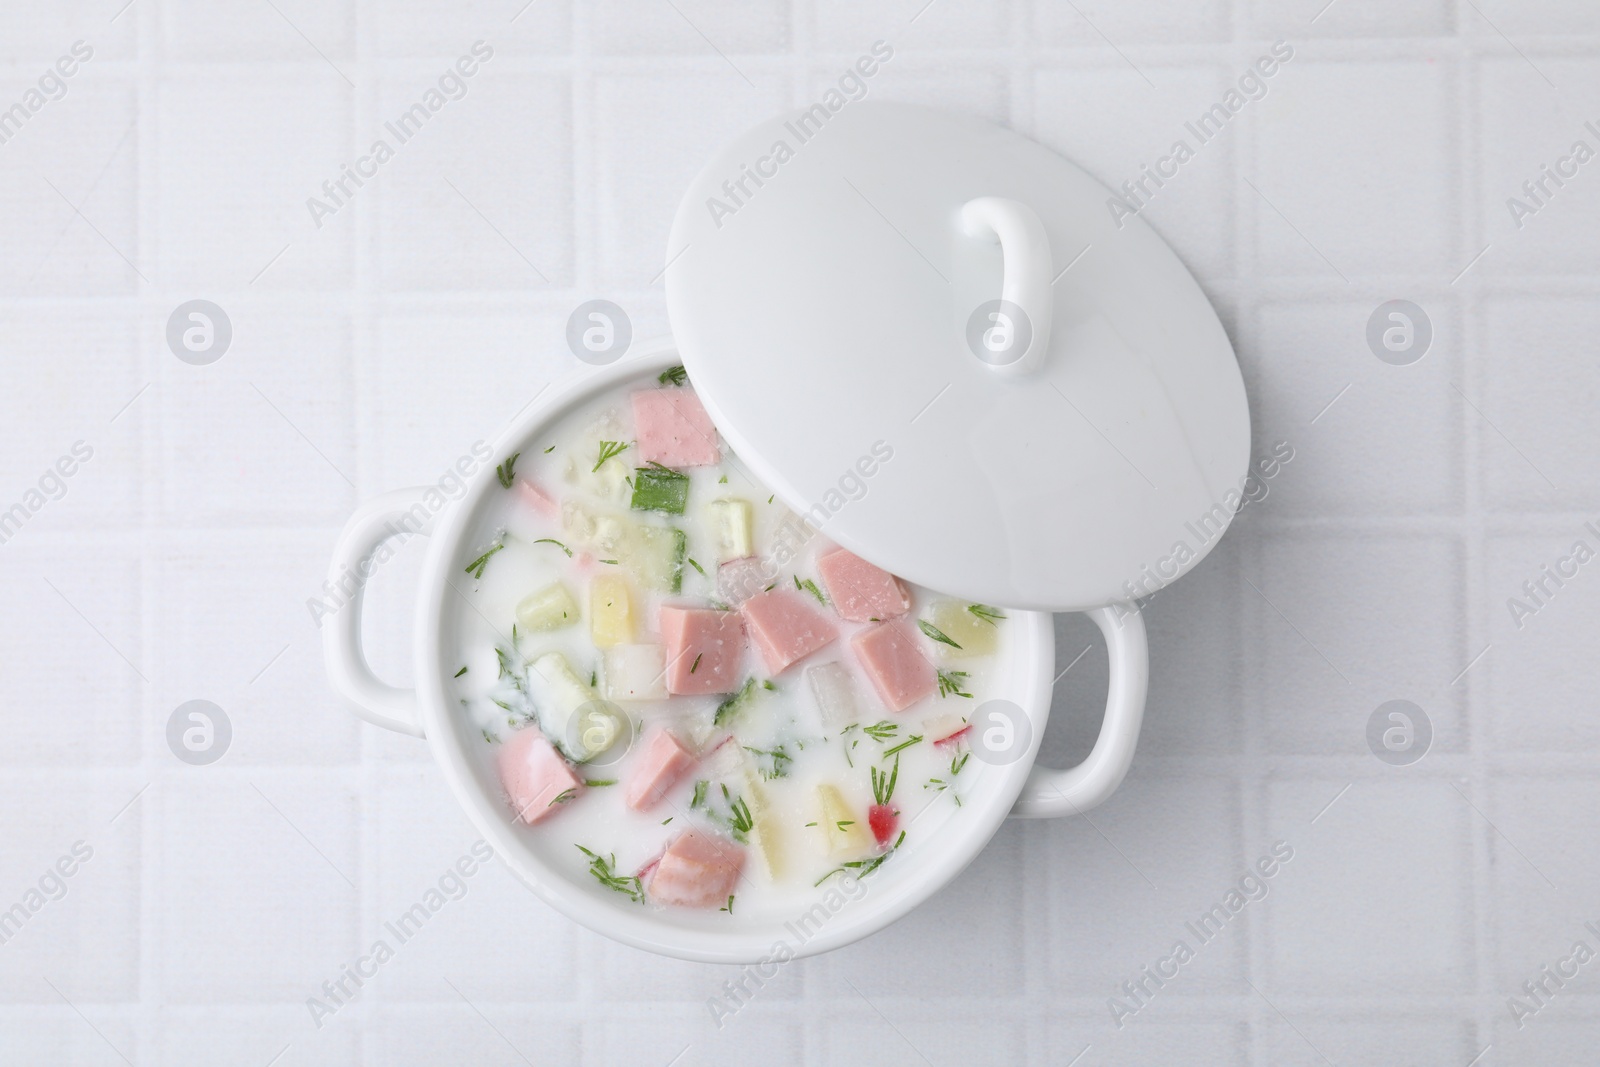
{"x": 939, "y": 342}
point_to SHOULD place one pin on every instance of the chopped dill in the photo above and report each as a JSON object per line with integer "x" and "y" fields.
{"x": 881, "y": 731}
{"x": 907, "y": 743}
{"x": 506, "y": 471}
{"x": 608, "y": 449}
{"x": 883, "y": 784}
{"x": 808, "y": 586}
{"x": 558, "y": 544}
{"x": 779, "y": 759}
{"x": 950, "y": 684}
{"x": 734, "y": 704}
{"x": 475, "y": 568}
{"x": 986, "y": 613}
{"x": 602, "y": 867}
{"x": 742, "y": 821}
{"x": 864, "y": 867}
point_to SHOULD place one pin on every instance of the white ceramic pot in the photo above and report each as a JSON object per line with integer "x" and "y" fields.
{"x": 922, "y": 866}
{"x": 843, "y": 275}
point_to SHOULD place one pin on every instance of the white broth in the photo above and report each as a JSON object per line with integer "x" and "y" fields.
{"x": 586, "y": 648}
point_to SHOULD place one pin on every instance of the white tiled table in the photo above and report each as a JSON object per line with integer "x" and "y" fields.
{"x": 369, "y": 353}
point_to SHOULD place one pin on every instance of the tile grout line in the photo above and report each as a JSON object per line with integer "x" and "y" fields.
{"x": 365, "y": 358}
{"x": 811, "y": 997}
{"x": 1469, "y": 125}
{"x": 588, "y": 207}
{"x": 1250, "y": 780}
{"x": 151, "y": 823}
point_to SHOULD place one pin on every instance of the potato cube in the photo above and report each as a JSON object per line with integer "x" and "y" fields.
{"x": 610, "y": 611}
{"x": 844, "y": 832}
{"x": 766, "y": 833}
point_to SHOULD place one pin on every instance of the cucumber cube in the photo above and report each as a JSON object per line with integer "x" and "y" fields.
{"x": 559, "y": 693}
{"x": 656, "y": 555}
{"x": 548, "y": 609}
{"x": 731, "y": 519}
{"x": 660, "y": 489}
{"x": 975, "y": 635}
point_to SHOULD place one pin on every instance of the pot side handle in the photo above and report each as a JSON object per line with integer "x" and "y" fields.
{"x": 1049, "y": 792}
{"x": 373, "y": 523}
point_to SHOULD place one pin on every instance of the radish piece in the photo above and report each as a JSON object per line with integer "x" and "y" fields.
{"x": 834, "y": 693}
{"x": 883, "y": 819}
{"x": 946, "y": 731}
{"x": 726, "y": 760}
{"x": 739, "y": 580}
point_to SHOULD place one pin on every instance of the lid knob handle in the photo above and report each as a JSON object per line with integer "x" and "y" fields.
{"x": 1020, "y": 335}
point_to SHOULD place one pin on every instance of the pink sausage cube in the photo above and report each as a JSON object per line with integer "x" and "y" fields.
{"x": 657, "y": 769}
{"x": 704, "y": 649}
{"x": 537, "y": 499}
{"x": 786, "y": 627}
{"x": 534, "y": 775}
{"x": 860, "y": 590}
{"x": 673, "y": 429}
{"x": 698, "y": 870}
{"x": 899, "y": 671}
